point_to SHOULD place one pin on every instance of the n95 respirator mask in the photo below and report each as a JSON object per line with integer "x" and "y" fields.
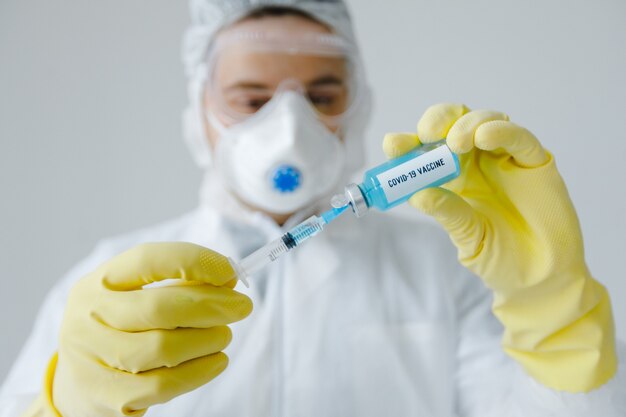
{"x": 282, "y": 158}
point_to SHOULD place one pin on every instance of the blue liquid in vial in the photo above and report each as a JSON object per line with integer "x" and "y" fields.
{"x": 395, "y": 181}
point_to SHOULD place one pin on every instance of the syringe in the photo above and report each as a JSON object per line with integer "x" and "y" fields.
{"x": 276, "y": 248}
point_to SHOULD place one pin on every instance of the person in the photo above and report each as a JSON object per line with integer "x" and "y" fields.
{"x": 376, "y": 316}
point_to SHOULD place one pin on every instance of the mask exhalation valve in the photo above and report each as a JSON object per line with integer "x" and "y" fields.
{"x": 286, "y": 178}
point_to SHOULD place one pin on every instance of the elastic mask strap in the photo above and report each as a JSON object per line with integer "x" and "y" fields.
{"x": 215, "y": 122}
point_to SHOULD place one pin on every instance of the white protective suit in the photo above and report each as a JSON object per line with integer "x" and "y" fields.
{"x": 373, "y": 317}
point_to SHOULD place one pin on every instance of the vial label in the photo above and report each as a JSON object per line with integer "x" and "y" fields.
{"x": 417, "y": 173}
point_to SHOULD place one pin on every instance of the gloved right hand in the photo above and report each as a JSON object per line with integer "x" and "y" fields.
{"x": 124, "y": 348}
{"x": 511, "y": 218}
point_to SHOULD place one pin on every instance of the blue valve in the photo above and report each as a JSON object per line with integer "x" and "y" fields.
{"x": 286, "y": 178}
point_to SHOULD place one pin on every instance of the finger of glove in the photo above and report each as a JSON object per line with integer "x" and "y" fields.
{"x": 456, "y": 216}
{"x": 142, "y": 351}
{"x": 460, "y": 137}
{"x": 437, "y": 121}
{"x": 397, "y": 144}
{"x": 152, "y": 262}
{"x": 517, "y": 141}
{"x": 197, "y": 306}
{"x": 161, "y": 385}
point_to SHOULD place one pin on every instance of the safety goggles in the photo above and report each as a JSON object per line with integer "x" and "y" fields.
{"x": 246, "y": 70}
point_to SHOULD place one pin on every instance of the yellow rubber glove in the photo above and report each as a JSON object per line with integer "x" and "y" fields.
{"x": 123, "y": 348}
{"x": 511, "y": 218}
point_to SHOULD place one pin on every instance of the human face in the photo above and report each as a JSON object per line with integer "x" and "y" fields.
{"x": 245, "y": 77}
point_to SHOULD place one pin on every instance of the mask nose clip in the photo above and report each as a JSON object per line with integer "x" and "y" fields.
{"x": 286, "y": 179}
{"x": 291, "y": 85}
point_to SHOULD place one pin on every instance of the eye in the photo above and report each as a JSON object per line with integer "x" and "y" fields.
{"x": 322, "y": 99}
{"x": 254, "y": 104}
{"x": 248, "y": 103}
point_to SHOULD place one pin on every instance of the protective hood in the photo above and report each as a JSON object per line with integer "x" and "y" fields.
{"x": 208, "y": 17}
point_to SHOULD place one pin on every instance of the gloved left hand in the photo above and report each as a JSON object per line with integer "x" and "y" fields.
{"x": 511, "y": 218}
{"x": 124, "y": 348}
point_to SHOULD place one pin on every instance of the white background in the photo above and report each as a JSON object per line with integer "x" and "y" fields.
{"x": 91, "y": 94}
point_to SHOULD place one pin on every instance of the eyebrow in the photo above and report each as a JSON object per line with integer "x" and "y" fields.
{"x": 325, "y": 80}
{"x": 254, "y": 85}
{"x": 248, "y": 85}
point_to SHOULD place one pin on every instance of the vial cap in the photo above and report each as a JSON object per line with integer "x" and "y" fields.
{"x": 357, "y": 200}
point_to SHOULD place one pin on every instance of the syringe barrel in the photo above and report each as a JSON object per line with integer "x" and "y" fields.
{"x": 276, "y": 248}
{"x": 305, "y": 230}
{"x": 262, "y": 257}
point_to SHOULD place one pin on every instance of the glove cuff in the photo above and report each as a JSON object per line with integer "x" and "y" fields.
{"x": 43, "y": 406}
{"x": 565, "y": 339}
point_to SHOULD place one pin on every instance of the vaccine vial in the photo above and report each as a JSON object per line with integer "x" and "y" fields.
{"x": 395, "y": 181}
